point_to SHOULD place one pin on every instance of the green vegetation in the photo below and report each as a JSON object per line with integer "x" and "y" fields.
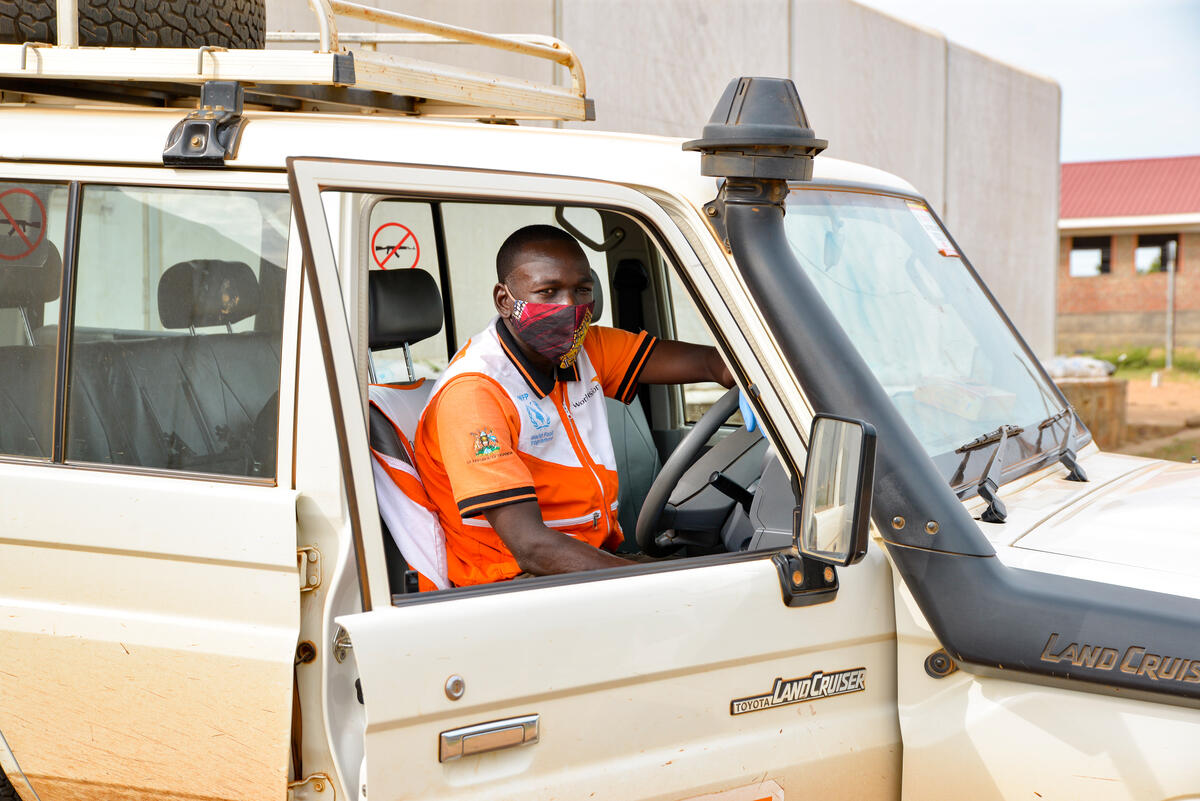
{"x": 1140, "y": 362}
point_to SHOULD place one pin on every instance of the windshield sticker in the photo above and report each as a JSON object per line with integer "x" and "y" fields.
{"x": 391, "y": 238}
{"x": 932, "y": 229}
{"x": 805, "y": 688}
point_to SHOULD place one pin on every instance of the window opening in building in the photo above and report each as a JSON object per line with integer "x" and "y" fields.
{"x": 1090, "y": 256}
{"x": 1156, "y": 253}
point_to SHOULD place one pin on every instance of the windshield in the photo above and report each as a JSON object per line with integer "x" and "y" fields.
{"x": 917, "y": 315}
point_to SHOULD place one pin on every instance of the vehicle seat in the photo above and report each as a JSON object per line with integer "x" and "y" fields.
{"x": 182, "y": 401}
{"x": 405, "y": 308}
{"x": 637, "y": 458}
{"x": 27, "y": 371}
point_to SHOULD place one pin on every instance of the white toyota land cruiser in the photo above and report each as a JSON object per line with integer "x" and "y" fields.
{"x": 198, "y": 599}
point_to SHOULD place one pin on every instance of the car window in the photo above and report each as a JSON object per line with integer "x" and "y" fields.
{"x": 402, "y": 237}
{"x": 690, "y": 327}
{"x": 32, "y": 231}
{"x": 475, "y": 231}
{"x": 920, "y": 319}
{"x": 175, "y": 342}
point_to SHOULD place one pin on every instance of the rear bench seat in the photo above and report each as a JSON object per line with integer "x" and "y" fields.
{"x": 182, "y": 401}
{"x": 26, "y": 392}
{"x": 27, "y": 371}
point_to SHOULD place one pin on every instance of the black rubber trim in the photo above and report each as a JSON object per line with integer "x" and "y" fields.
{"x": 443, "y": 259}
{"x": 66, "y": 322}
{"x": 985, "y": 614}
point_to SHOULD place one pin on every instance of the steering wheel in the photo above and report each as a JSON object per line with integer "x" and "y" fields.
{"x": 685, "y": 454}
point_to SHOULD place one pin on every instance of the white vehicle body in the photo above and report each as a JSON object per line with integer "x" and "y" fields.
{"x": 150, "y": 619}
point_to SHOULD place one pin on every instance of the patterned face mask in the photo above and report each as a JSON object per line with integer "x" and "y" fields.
{"x": 554, "y": 330}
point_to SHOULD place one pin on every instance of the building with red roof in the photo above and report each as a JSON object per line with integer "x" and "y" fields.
{"x": 1129, "y": 250}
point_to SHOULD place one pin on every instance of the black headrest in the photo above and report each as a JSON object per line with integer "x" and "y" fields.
{"x": 597, "y": 296}
{"x": 206, "y": 292}
{"x": 406, "y": 307}
{"x": 31, "y": 281}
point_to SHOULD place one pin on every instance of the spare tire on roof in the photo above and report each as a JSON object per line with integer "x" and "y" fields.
{"x": 141, "y": 23}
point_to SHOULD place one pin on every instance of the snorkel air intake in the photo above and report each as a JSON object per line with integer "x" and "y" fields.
{"x": 758, "y": 139}
{"x": 758, "y": 130}
{"x": 990, "y": 617}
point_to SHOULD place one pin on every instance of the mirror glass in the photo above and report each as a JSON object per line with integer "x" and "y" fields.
{"x": 829, "y": 513}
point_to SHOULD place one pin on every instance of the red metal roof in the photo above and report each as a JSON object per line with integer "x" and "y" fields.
{"x": 1130, "y": 188}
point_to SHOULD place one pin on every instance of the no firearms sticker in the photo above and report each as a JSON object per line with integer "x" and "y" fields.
{"x": 804, "y": 688}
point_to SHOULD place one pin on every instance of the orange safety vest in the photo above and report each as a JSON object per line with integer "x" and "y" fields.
{"x": 498, "y": 431}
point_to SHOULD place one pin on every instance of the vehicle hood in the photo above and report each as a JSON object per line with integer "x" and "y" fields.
{"x": 1142, "y": 514}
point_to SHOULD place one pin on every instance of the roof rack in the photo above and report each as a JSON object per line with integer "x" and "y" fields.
{"x": 332, "y": 78}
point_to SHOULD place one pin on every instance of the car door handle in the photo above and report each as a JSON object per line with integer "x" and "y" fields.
{"x": 491, "y": 736}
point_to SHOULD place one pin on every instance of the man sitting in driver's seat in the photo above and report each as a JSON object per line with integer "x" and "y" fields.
{"x": 513, "y": 446}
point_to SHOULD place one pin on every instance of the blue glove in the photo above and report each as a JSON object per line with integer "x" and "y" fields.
{"x": 747, "y": 411}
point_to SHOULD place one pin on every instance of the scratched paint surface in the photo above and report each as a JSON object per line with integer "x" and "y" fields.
{"x": 137, "y": 722}
{"x": 147, "y": 634}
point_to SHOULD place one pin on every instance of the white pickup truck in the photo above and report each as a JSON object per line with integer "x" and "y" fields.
{"x": 918, "y": 579}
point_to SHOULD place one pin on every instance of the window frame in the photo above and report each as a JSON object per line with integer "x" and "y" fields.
{"x": 672, "y": 396}
{"x": 76, "y": 177}
{"x": 1163, "y": 240}
{"x": 665, "y": 218}
{"x": 1101, "y": 243}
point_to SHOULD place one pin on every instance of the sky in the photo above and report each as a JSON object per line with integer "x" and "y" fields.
{"x": 1129, "y": 71}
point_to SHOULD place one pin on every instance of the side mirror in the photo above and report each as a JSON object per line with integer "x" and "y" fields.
{"x": 831, "y": 524}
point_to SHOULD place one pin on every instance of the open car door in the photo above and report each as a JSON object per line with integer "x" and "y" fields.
{"x": 677, "y": 679}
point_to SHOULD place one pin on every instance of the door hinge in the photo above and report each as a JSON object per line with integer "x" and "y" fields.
{"x": 308, "y": 559}
{"x": 341, "y": 645}
{"x": 314, "y": 786}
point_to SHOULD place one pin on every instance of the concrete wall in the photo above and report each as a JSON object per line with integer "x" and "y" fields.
{"x": 978, "y": 138}
{"x": 1002, "y": 130}
{"x": 875, "y": 87}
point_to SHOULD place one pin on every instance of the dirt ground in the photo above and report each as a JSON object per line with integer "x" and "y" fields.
{"x": 1171, "y": 403}
{"x": 1157, "y": 417}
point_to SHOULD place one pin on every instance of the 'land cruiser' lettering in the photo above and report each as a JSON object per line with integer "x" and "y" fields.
{"x": 1135, "y": 660}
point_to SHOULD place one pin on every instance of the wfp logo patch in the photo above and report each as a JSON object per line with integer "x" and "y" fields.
{"x": 537, "y": 418}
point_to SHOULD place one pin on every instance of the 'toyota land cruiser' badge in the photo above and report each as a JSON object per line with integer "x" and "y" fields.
{"x": 803, "y": 688}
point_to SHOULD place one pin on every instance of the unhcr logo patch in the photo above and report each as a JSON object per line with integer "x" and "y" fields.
{"x": 805, "y": 688}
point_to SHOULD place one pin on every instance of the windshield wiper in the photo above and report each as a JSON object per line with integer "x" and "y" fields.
{"x": 1066, "y": 453}
{"x": 988, "y": 483}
